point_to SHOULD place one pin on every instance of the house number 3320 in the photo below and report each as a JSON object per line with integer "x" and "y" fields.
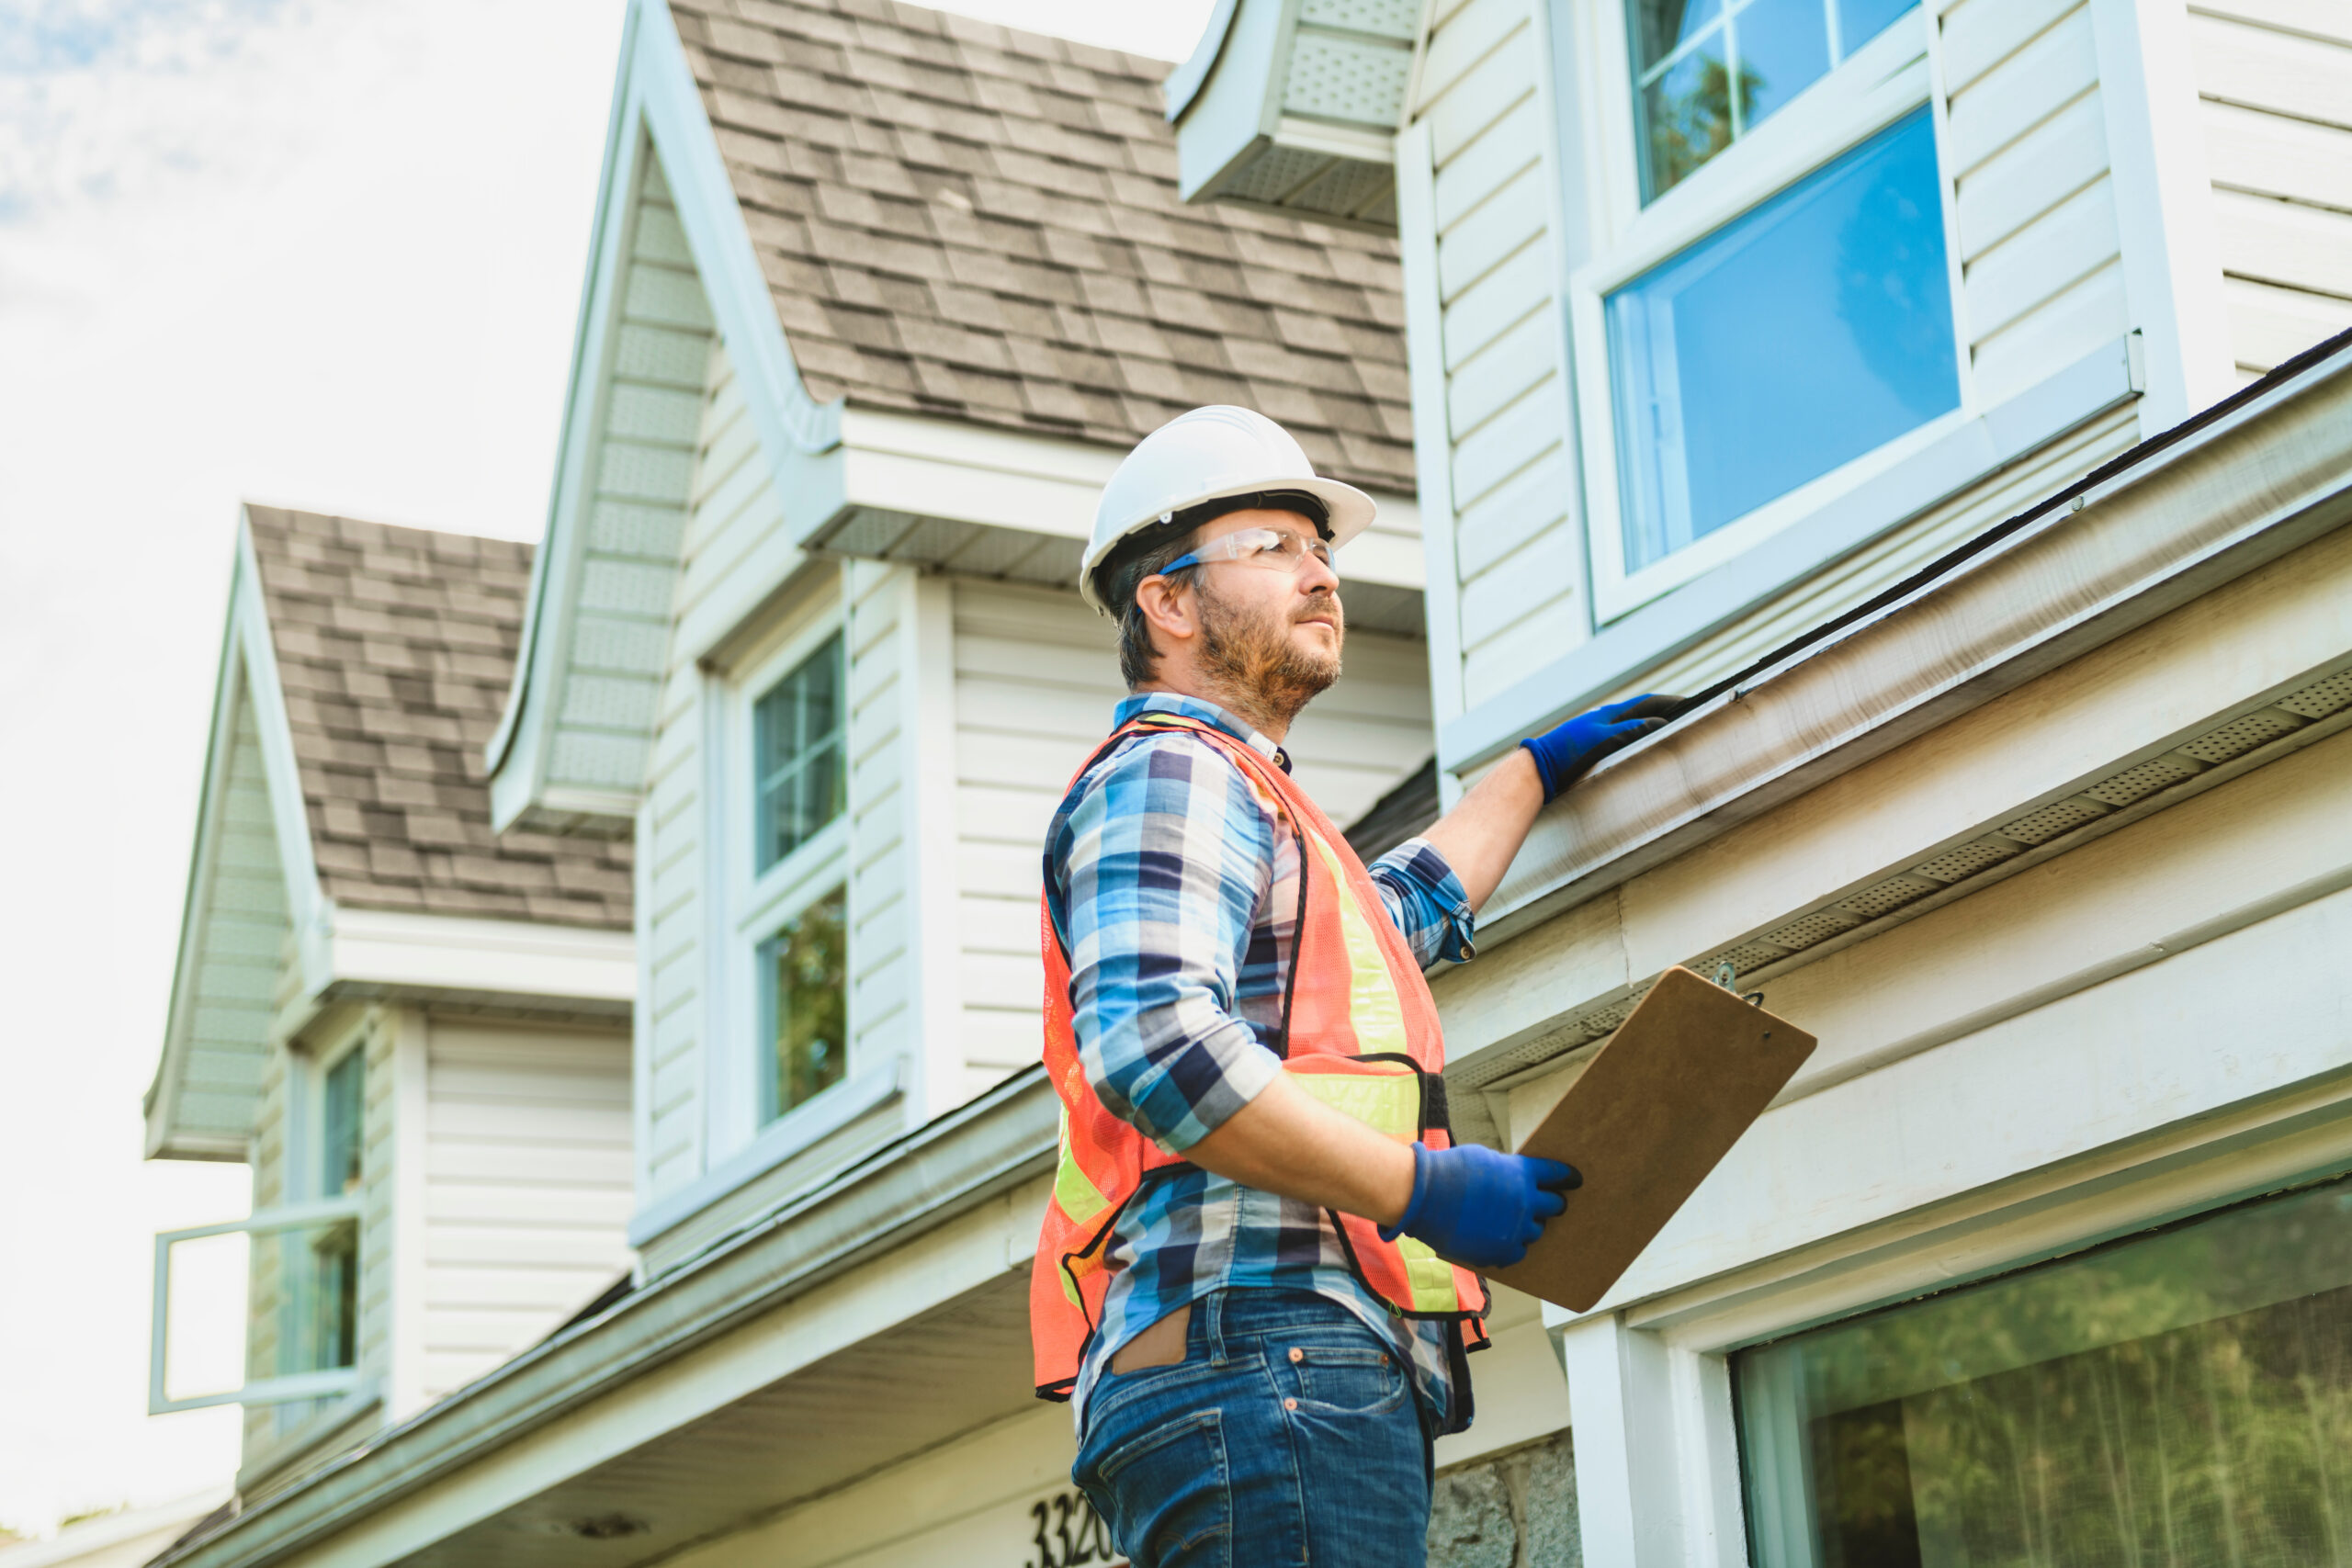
{"x": 1070, "y": 1532}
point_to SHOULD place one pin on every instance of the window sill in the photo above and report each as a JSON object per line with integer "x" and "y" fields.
{"x": 1663, "y": 627}
{"x": 796, "y": 1132}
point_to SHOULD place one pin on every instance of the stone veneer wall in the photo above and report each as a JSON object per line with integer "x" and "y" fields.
{"x": 1513, "y": 1510}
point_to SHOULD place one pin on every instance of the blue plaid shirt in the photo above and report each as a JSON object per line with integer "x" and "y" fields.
{"x": 1174, "y": 889}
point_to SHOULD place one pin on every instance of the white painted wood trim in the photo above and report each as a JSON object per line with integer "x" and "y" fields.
{"x": 232, "y": 685}
{"x": 1034, "y": 484}
{"x": 1657, "y": 1368}
{"x": 2164, "y": 206}
{"x": 658, "y": 103}
{"x": 290, "y": 817}
{"x": 1432, "y": 443}
{"x": 404, "y": 1381}
{"x": 932, "y": 845}
{"x": 1959, "y": 458}
{"x": 799, "y": 1129}
{"x": 398, "y": 950}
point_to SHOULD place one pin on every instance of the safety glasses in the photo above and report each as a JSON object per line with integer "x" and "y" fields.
{"x": 1275, "y": 549}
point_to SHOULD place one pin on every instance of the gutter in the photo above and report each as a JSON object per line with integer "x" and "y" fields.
{"x": 921, "y": 1181}
{"x": 2254, "y": 476}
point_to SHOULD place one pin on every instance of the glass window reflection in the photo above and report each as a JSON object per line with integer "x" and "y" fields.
{"x": 1706, "y": 73}
{"x": 2174, "y": 1399}
{"x": 1810, "y": 330}
{"x": 804, "y": 977}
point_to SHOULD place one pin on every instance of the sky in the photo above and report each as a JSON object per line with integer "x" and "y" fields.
{"x": 324, "y": 255}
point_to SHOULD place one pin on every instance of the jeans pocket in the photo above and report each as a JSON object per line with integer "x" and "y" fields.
{"x": 1170, "y": 1494}
{"x": 1349, "y": 1379}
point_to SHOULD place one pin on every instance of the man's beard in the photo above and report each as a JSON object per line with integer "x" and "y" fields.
{"x": 1259, "y": 671}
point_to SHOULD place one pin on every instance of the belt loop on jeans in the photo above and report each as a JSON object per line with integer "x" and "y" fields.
{"x": 1210, "y": 1313}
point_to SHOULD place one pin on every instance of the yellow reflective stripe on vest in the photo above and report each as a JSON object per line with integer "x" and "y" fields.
{"x": 1077, "y": 1195}
{"x": 1429, "y": 1277}
{"x": 1373, "y": 1009}
{"x": 1386, "y": 1102}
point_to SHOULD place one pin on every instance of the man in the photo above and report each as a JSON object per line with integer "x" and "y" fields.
{"x": 1247, "y": 1277}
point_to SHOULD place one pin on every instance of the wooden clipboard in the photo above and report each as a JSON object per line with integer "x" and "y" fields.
{"x": 1656, "y": 1110}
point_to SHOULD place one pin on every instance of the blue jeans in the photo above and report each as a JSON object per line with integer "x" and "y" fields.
{"x": 1288, "y": 1435}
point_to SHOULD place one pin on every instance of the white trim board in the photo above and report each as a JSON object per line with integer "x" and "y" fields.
{"x": 1962, "y": 458}
{"x": 395, "y": 951}
{"x": 658, "y": 111}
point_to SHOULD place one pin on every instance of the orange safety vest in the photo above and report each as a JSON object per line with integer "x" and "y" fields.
{"x": 1359, "y": 1034}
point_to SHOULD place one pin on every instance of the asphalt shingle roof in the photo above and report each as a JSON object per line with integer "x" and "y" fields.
{"x": 961, "y": 220}
{"x": 395, "y": 651}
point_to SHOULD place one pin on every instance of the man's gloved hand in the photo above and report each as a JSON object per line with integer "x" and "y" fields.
{"x": 1480, "y": 1206}
{"x": 1564, "y": 755}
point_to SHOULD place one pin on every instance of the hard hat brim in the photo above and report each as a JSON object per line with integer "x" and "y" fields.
{"x": 1351, "y": 512}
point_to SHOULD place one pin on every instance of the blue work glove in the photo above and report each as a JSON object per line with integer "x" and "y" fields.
{"x": 1480, "y": 1206}
{"x": 1566, "y": 755}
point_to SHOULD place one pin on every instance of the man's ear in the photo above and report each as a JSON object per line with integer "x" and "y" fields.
{"x": 1171, "y": 610}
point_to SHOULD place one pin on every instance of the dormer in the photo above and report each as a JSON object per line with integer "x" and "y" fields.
{"x": 861, "y": 341}
{"x": 413, "y": 1029}
{"x": 1726, "y": 319}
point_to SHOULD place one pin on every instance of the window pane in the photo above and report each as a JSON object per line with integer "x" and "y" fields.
{"x": 1799, "y": 336}
{"x": 798, "y": 733}
{"x": 2176, "y": 1399}
{"x": 1686, "y": 112}
{"x": 804, "y": 970}
{"x": 1662, "y": 26}
{"x": 1859, "y": 21}
{"x": 1784, "y": 48}
{"x": 341, "y": 1115}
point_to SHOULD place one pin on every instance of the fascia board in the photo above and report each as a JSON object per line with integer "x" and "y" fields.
{"x": 656, "y": 102}
{"x": 589, "y": 331}
{"x": 398, "y": 950}
{"x": 305, "y": 906}
{"x": 1037, "y": 484}
{"x": 161, "y": 1102}
{"x": 2273, "y": 474}
{"x": 942, "y": 1171}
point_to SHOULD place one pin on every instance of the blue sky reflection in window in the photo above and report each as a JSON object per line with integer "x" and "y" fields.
{"x": 1808, "y": 331}
{"x": 1687, "y": 54}
{"x": 798, "y": 729}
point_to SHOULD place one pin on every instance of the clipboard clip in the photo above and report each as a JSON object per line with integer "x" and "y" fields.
{"x": 1728, "y": 978}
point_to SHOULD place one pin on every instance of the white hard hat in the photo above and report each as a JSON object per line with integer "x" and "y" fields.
{"x": 1207, "y": 455}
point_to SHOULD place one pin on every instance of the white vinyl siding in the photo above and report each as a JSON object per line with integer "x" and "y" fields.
{"x": 639, "y": 487}
{"x": 2275, "y": 84}
{"x": 242, "y": 920}
{"x": 732, "y": 509}
{"x": 526, "y": 1187}
{"x": 2026, "y": 148}
{"x": 1037, "y": 679}
{"x": 1516, "y": 545}
{"x": 270, "y": 1129}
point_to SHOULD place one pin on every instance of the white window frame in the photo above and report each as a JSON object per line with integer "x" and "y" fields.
{"x": 280, "y": 1390}
{"x": 1651, "y": 1384}
{"x": 1886, "y": 80}
{"x": 757, "y": 903}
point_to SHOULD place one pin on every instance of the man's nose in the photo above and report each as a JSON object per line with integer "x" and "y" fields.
{"x": 1317, "y": 575}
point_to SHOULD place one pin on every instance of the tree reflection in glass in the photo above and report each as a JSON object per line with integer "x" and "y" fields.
{"x": 2174, "y": 1400}
{"x": 804, "y": 970}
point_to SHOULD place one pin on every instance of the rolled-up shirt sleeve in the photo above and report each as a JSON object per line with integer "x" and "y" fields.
{"x": 1164, "y": 864}
{"x": 1427, "y": 901}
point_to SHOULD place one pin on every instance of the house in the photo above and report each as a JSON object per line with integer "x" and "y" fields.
{"x": 414, "y": 1031}
{"x": 1956, "y": 396}
{"x": 877, "y": 298}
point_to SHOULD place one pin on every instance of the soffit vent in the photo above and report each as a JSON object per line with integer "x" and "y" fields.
{"x": 1957, "y": 866}
{"x": 2236, "y": 739}
{"x": 2322, "y": 697}
{"x": 2058, "y": 816}
{"x": 2139, "y": 785}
